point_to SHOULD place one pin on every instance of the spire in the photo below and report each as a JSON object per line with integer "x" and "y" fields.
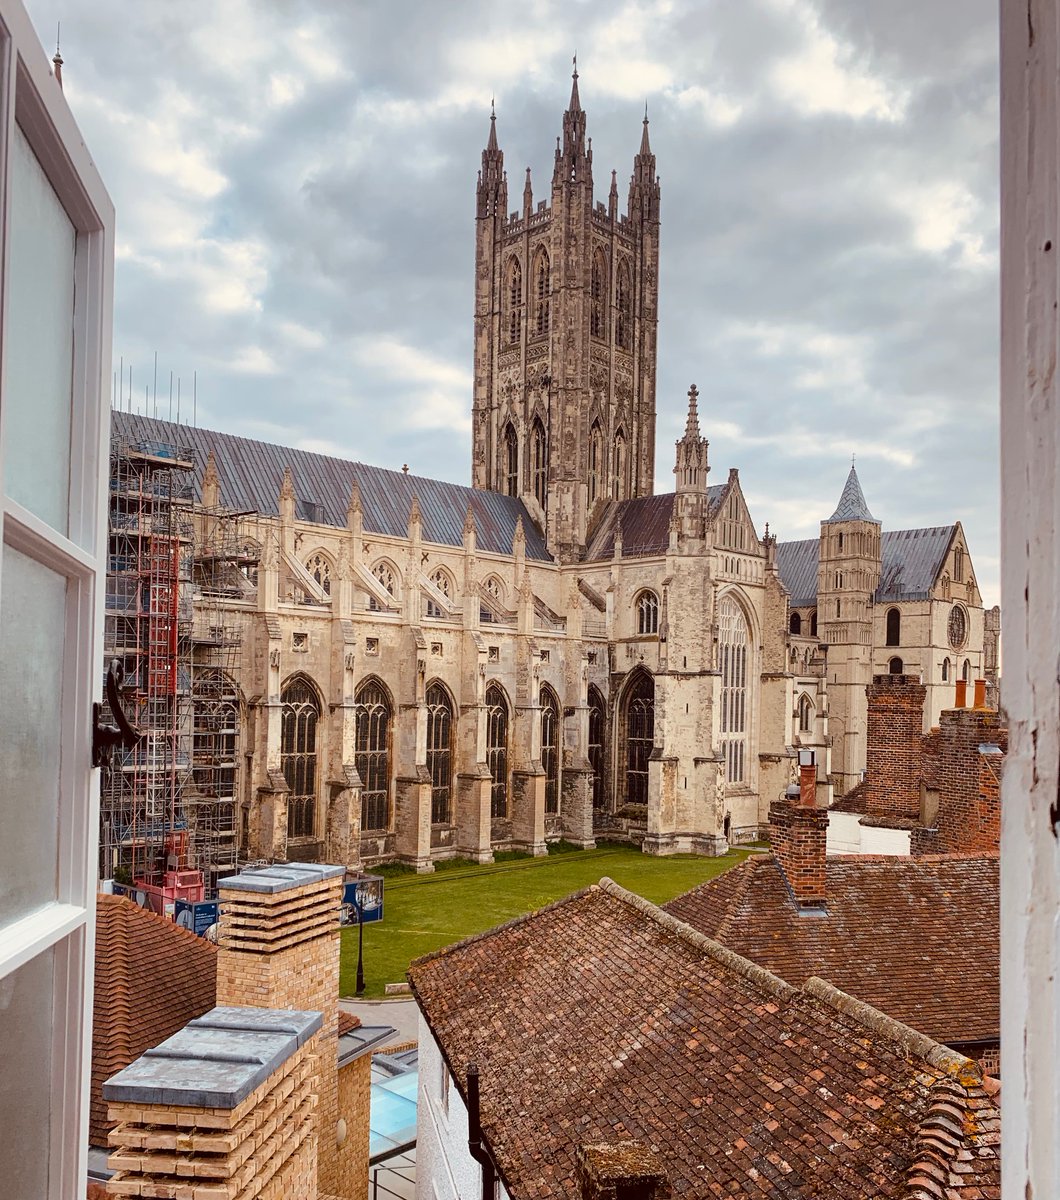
{"x": 645, "y": 145}
{"x": 492, "y": 184}
{"x": 491, "y": 145}
{"x": 573, "y": 160}
{"x": 528, "y": 195}
{"x": 575, "y": 101}
{"x": 852, "y": 504}
{"x": 643, "y": 186}
{"x": 691, "y": 466}
{"x": 692, "y": 423}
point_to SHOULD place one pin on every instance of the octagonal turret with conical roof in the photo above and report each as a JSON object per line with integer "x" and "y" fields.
{"x": 852, "y": 505}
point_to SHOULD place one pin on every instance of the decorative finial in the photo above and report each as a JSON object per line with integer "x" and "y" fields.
{"x": 852, "y": 457}
{"x": 404, "y": 468}
{"x": 493, "y": 108}
{"x": 57, "y": 61}
{"x": 575, "y": 64}
{"x": 645, "y": 112}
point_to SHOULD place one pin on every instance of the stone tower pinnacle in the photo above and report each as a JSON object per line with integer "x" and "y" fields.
{"x": 566, "y": 303}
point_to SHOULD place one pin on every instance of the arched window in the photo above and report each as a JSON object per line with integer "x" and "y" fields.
{"x": 444, "y": 584}
{"x": 945, "y": 670}
{"x": 387, "y": 576}
{"x": 640, "y": 736}
{"x": 597, "y": 732}
{"x": 733, "y": 652}
{"x": 624, "y": 309}
{"x": 299, "y": 715}
{"x": 550, "y": 748}
{"x": 805, "y": 714}
{"x": 497, "y": 750}
{"x": 595, "y": 454}
{"x": 813, "y": 623}
{"x": 618, "y": 467}
{"x": 440, "y": 753}
{"x": 795, "y": 624}
{"x": 215, "y": 757}
{"x": 598, "y": 296}
{"x": 647, "y": 612}
{"x": 895, "y": 666}
{"x": 966, "y": 671}
{"x": 511, "y": 461}
{"x": 542, "y": 292}
{"x": 958, "y": 564}
{"x": 894, "y": 627}
{"x": 539, "y": 461}
{"x": 515, "y": 300}
{"x": 320, "y": 568}
{"x": 372, "y": 754}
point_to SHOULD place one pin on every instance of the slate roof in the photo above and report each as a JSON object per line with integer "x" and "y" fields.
{"x": 910, "y": 561}
{"x": 602, "y": 1019}
{"x": 251, "y": 473}
{"x": 645, "y": 524}
{"x": 152, "y": 977}
{"x": 852, "y": 505}
{"x": 916, "y": 938}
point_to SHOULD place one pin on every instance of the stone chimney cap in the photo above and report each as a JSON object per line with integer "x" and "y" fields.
{"x": 279, "y": 877}
{"x": 215, "y": 1061}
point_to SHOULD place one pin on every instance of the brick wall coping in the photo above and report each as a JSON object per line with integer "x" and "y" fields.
{"x": 279, "y": 877}
{"x": 215, "y": 1061}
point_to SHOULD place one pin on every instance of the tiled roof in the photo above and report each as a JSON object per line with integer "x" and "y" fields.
{"x": 852, "y": 505}
{"x": 910, "y": 561}
{"x": 916, "y": 938}
{"x": 152, "y": 977}
{"x": 251, "y": 473}
{"x": 645, "y": 524}
{"x": 602, "y": 1019}
{"x": 348, "y": 1022}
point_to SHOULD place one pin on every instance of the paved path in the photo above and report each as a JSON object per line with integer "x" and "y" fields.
{"x": 402, "y": 1013}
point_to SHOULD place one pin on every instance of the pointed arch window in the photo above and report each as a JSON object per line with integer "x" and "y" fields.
{"x": 640, "y": 736}
{"x": 595, "y": 453}
{"x": 618, "y": 467}
{"x": 440, "y": 753}
{"x": 550, "y": 747}
{"x": 542, "y": 293}
{"x": 958, "y": 564}
{"x": 795, "y": 624}
{"x": 511, "y": 460}
{"x": 894, "y": 627}
{"x": 805, "y": 714}
{"x": 515, "y": 300}
{"x": 320, "y": 568}
{"x": 215, "y": 754}
{"x": 497, "y": 750}
{"x": 966, "y": 671}
{"x": 945, "y": 670}
{"x": 597, "y": 750}
{"x": 598, "y": 296}
{"x": 300, "y": 713}
{"x": 647, "y": 605}
{"x": 387, "y": 576}
{"x": 372, "y": 754}
{"x": 624, "y": 309}
{"x": 539, "y": 461}
{"x": 813, "y": 623}
{"x": 444, "y": 584}
{"x": 734, "y": 654}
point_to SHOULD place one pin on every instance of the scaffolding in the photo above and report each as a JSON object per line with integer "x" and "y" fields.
{"x": 143, "y": 831}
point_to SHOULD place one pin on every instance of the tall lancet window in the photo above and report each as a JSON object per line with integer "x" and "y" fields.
{"x": 598, "y": 296}
{"x": 595, "y": 455}
{"x": 734, "y": 652}
{"x": 539, "y": 462}
{"x": 624, "y": 309}
{"x": 515, "y": 300}
{"x": 618, "y": 467}
{"x": 542, "y": 292}
{"x": 511, "y": 461}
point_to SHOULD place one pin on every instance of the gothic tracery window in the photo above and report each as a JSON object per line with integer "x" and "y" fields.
{"x": 618, "y": 467}
{"x": 805, "y": 714}
{"x": 598, "y": 296}
{"x": 647, "y": 612}
{"x": 539, "y": 461}
{"x": 542, "y": 292}
{"x": 511, "y": 460}
{"x": 734, "y": 655}
{"x": 515, "y": 300}
{"x": 440, "y": 753}
{"x": 372, "y": 754}
{"x": 320, "y": 568}
{"x": 595, "y": 452}
{"x": 550, "y": 748}
{"x": 386, "y": 575}
{"x": 624, "y": 309}
{"x": 640, "y": 736}
{"x": 444, "y": 584}
{"x": 299, "y": 716}
{"x": 597, "y": 731}
{"x": 497, "y": 750}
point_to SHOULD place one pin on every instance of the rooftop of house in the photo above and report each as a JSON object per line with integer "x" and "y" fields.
{"x": 151, "y": 978}
{"x": 602, "y": 1019}
{"x": 910, "y": 563}
{"x": 251, "y": 473}
{"x": 918, "y": 939}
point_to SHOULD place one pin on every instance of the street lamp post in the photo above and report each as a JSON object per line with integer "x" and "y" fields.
{"x": 360, "y": 943}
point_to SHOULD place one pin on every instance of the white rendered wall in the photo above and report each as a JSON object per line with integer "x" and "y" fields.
{"x": 1030, "y": 597}
{"x": 876, "y": 840}
{"x": 846, "y": 835}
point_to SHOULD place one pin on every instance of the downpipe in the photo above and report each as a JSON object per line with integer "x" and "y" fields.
{"x": 474, "y": 1135}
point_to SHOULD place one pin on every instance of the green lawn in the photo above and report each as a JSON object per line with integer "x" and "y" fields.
{"x": 425, "y": 912}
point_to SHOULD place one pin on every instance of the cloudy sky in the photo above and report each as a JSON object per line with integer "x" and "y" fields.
{"x": 295, "y": 192}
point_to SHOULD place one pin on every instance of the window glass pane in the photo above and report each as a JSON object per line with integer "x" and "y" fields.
{"x": 40, "y": 341}
{"x": 26, "y": 1022}
{"x": 32, "y": 627}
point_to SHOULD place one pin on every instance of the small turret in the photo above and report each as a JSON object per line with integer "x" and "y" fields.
{"x": 573, "y": 156}
{"x": 492, "y": 180}
{"x": 643, "y": 185}
{"x": 528, "y": 196}
{"x": 691, "y": 467}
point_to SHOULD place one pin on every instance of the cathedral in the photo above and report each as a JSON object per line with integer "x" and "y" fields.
{"x": 386, "y": 667}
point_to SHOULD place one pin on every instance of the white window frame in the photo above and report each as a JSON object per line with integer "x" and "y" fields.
{"x": 31, "y": 96}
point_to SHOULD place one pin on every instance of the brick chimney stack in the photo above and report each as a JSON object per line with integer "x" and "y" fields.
{"x": 798, "y": 832}
{"x": 893, "y": 758}
{"x": 622, "y": 1171}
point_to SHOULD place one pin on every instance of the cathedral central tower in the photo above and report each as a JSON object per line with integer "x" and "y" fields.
{"x": 566, "y": 309}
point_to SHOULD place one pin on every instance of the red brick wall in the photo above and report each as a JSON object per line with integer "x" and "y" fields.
{"x": 891, "y": 787}
{"x": 798, "y": 836}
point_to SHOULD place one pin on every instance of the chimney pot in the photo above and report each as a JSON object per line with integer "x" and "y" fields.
{"x": 962, "y": 694}
{"x": 980, "y": 693}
